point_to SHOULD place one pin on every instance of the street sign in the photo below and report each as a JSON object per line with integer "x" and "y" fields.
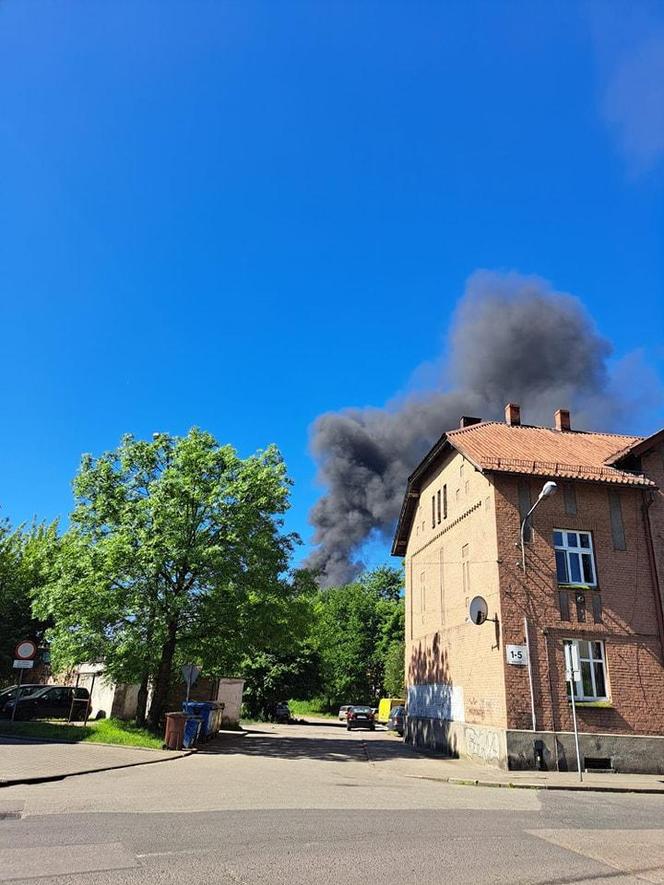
{"x": 190, "y": 673}
{"x": 517, "y": 655}
{"x": 572, "y": 664}
{"x": 26, "y": 650}
{"x": 23, "y": 665}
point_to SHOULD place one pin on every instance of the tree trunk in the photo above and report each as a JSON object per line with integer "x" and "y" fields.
{"x": 162, "y": 682}
{"x": 142, "y": 701}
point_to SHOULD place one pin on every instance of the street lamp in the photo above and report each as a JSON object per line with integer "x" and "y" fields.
{"x": 549, "y": 488}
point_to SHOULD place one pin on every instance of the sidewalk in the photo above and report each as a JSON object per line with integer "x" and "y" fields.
{"x": 415, "y": 764}
{"x": 29, "y": 762}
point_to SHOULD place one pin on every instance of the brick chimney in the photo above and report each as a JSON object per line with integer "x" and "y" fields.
{"x": 513, "y": 414}
{"x": 561, "y": 417}
{"x": 468, "y": 421}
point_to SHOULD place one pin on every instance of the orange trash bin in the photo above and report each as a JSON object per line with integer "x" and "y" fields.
{"x": 174, "y": 730}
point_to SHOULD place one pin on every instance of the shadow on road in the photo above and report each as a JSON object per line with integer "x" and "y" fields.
{"x": 297, "y": 746}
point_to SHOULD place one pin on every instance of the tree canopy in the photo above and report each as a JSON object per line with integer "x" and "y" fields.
{"x": 23, "y": 554}
{"x": 176, "y": 552}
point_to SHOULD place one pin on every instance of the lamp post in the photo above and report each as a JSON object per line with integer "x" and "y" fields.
{"x": 549, "y": 488}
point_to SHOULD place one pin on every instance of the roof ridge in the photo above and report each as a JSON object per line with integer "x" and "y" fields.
{"x": 459, "y": 430}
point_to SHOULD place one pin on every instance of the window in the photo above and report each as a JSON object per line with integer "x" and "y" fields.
{"x": 444, "y": 502}
{"x": 617, "y": 527}
{"x": 569, "y": 497}
{"x": 575, "y": 563}
{"x": 465, "y": 569}
{"x": 433, "y": 511}
{"x": 523, "y": 492}
{"x": 591, "y": 684}
{"x": 438, "y": 503}
{"x": 423, "y": 594}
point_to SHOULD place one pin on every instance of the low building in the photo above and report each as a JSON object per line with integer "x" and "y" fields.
{"x": 593, "y": 577}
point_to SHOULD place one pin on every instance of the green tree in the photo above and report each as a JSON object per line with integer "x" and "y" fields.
{"x": 23, "y": 556}
{"x": 394, "y": 681}
{"x": 353, "y": 628}
{"x": 176, "y": 552}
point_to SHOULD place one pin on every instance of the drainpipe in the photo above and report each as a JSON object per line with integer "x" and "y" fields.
{"x": 657, "y": 592}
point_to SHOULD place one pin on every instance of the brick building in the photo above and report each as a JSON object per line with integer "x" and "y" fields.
{"x": 594, "y": 576}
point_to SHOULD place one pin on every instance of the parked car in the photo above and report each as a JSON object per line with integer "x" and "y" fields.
{"x": 343, "y": 712}
{"x": 282, "y": 713}
{"x": 50, "y": 702}
{"x": 9, "y": 693}
{"x": 397, "y": 720}
{"x": 360, "y": 717}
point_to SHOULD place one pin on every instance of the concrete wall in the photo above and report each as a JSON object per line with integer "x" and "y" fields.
{"x": 642, "y": 754}
{"x": 230, "y": 692}
{"x": 447, "y": 563}
{"x": 479, "y": 743}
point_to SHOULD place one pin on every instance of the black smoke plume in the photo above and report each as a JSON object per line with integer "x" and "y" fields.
{"x": 513, "y": 339}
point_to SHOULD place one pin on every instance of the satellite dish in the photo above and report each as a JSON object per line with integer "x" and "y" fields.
{"x": 478, "y": 610}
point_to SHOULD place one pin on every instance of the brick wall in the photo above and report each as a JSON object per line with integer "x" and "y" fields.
{"x": 629, "y": 627}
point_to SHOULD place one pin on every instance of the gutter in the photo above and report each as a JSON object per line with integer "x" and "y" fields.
{"x": 657, "y": 590}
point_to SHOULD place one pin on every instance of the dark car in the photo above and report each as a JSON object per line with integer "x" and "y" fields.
{"x": 50, "y": 702}
{"x": 397, "y": 720}
{"x": 282, "y": 713}
{"x": 360, "y": 717}
{"x": 9, "y": 693}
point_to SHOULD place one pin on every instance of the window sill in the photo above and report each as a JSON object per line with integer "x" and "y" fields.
{"x": 593, "y": 705}
{"x": 578, "y": 586}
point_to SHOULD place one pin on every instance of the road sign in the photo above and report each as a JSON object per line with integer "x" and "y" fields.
{"x": 26, "y": 650}
{"x": 190, "y": 673}
{"x": 572, "y": 664}
{"x": 517, "y": 655}
{"x": 23, "y": 665}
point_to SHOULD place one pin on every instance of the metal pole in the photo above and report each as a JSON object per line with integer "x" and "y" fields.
{"x": 576, "y": 732}
{"x": 188, "y": 684}
{"x": 88, "y": 703}
{"x": 18, "y": 692}
{"x": 530, "y": 675}
{"x": 73, "y": 698}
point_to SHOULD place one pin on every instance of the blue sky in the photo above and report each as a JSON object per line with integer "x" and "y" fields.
{"x": 240, "y": 215}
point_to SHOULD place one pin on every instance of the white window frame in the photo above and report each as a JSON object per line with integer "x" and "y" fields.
{"x": 579, "y": 694}
{"x": 568, "y": 549}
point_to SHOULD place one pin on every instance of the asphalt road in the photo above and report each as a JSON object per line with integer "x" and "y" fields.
{"x": 312, "y": 803}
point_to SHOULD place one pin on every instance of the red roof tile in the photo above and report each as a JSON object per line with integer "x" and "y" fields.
{"x": 541, "y": 451}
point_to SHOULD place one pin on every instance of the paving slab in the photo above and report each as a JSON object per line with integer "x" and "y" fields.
{"x": 30, "y": 762}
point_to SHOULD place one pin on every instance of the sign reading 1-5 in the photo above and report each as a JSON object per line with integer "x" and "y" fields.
{"x": 517, "y": 654}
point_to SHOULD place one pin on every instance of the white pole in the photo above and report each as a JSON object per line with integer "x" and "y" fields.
{"x": 530, "y": 675}
{"x": 18, "y": 693}
{"x": 576, "y": 730}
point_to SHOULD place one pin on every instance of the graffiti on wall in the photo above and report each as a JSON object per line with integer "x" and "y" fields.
{"x": 436, "y": 700}
{"x": 482, "y": 744}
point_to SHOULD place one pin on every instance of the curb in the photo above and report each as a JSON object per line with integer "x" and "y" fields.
{"x": 49, "y": 778}
{"x": 45, "y": 740}
{"x": 525, "y": 785}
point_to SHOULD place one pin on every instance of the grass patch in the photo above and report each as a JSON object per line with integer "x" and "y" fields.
{"x": 102, "y": 731}
{"x": 315, "y": 707}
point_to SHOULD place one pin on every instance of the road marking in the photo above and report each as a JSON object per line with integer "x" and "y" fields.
{"x": 60, "y": 860}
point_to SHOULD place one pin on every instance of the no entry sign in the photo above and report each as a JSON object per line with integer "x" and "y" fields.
{"x": 26, "y": 650}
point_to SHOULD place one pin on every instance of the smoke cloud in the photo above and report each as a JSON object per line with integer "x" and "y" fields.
{"x": 512, "y": 339}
